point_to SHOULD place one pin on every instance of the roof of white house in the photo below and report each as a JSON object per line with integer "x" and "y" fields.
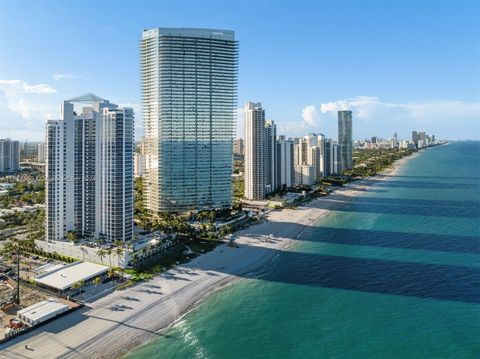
{"x": 41, "y": 309}
{"x": 65, "y": 277}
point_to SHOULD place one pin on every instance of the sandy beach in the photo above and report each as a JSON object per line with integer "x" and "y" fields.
{"x": 111, "y": 326}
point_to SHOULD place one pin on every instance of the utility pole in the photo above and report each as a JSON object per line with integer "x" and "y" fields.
{"x": 18, "y": 276}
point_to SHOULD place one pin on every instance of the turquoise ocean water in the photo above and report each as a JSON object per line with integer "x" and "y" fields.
{"x": 393, "y": 274}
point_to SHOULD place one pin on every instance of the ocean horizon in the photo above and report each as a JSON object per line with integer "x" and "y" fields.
{"x": 391, "y": 273}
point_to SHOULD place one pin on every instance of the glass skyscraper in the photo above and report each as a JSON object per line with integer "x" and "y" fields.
{"x": 189, "y": 88}
{"x": 345, "y": 141}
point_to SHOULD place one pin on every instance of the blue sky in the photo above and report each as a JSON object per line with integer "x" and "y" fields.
{"x": 398, "y": 65}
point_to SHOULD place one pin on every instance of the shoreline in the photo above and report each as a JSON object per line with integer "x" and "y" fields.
{"x": 118, "y": 323}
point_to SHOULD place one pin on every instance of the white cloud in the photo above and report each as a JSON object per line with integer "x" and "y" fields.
{"x": 58, "y": 77}
{"x": 375, "y": 117}
{"x": 368, "y": 107}
{"x": 21, "y": 120}
{"x": 309, "y": 115}
{"x": 372, "y": 116}
{"x": 10, "y": 86}
{"x": 365, "y": 106}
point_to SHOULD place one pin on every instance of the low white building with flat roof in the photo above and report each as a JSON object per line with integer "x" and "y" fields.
{"x": 62, "y": 279}
{"x": 42, "y": 311}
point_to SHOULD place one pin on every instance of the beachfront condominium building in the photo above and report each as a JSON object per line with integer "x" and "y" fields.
{"x": 305, "y": 175}
{"x": 139, "y": 159}
{"x": 254, "y": 151}
{"x": 189, "y": 90}
{"x": 334, "y": 158}
{"x": 238, "y": 147}
{"x": 285, "y": 170}
{"x": 41, "y": 152}
{"x": 28, "y": 151}
{"x": 345, "y": 141}
{"x": 269, "y": 161}
{"x": 89, "y": 171}
{"x": 415, "y": 138}
{"x": 9, "y": 156}
{"x": 327, "y": 159}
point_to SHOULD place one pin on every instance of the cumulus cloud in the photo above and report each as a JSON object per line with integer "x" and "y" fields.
{"x": 309, "y": 115}
{"x": 364, "y": 106}
{"x": 10, "y": 86}
{"x": 20, "y": 120}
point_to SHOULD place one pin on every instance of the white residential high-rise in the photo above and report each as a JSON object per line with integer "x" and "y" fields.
{"x": 238, "y": 147}
{"x": 189, "y": 89}
{"x": 305, "y": 175}
{"x": 89, "y": 170}
{"x": 285, "y": 163}
{"x": 327, "y": 159}
{"x": 9, "y": 156}
{"x": 345, "y": 141}
{"x": 334, "y": 158}
{"x": 269, "y": 161}
{"x": 139, "y": 159}
{"x": 41, "y": 152}
{"x": 254, "y": 151}
{"x": 315, "y": 159}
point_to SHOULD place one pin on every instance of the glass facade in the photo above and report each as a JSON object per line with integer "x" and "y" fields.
{"x": 345, "y": 141}
{"x": 189, "y": 87}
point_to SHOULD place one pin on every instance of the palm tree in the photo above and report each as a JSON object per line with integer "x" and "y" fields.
{"x": 111, "y": 273}
{"x": 101, "y": 253}
{"x": 109, "y": 251}
{"x": 77, "y": 285}
{"x": 96, "y": 282}
{"x": 71, "y": 237}
{"x": 82, "y": 284}
{"x": 118, "y": 250}
{"x": 228, "y": 229}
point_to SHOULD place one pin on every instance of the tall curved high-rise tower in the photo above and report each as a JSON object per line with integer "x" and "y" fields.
{"x": 345, "y": 141}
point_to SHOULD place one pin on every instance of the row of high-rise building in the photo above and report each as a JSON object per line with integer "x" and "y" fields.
{"x": 9, "y": 156}
{"x": 22, "y": 151}
{"x": 273, "y": 162}
{"x": 189, "y": 95}
{"x": 189, "y": 91}
{"x": 418, "y": 140}
{"x": 421, "y": 139}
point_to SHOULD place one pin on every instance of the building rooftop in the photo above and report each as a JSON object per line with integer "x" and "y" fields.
{"x": 41, "y": 309}
{"x": 66, "y": 276}
{"x": 87, "y": 98}
{"x": 190, "y": 32}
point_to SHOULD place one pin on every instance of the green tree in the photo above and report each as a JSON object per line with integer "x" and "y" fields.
{"x": 72, "y": 237}
{"x": 96, "y": 282}
{"x": 109, "y": 252}
{"x": 101, "y": 253}
{"x": 119, "y": 250}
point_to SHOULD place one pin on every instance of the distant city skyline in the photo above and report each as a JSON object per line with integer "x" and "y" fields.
{"x": 394, "y": 73}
